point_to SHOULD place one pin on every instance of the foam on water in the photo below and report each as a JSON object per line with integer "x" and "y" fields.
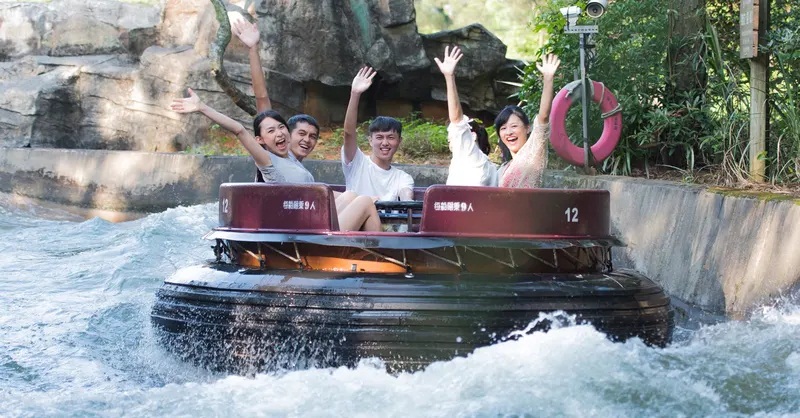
{"x": 75, "y": 340}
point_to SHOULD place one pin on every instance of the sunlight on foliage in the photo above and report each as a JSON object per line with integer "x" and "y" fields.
{"x": 509, "y": 20}
{"x": 705, "y": 129}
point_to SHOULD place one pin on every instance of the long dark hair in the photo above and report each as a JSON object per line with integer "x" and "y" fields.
{"x": 267, "y": 114}
{"x": 481, "y": 137}
{"x": 256, "y": 124}
{"x": 501, "y": 120}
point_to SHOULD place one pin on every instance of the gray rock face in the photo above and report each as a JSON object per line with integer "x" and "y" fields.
{"x": 75, "y": 27}
{"x": 478, "y": 73}
{"x": 329, "y": 42}
{"x": 109, "y": 101}
{"x": 101, "y": 74}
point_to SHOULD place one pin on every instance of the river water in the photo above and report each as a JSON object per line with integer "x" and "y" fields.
{"x": 76, "y": 340}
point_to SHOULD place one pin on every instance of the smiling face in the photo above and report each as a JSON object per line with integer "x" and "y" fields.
{"x": 514, "y": 133}
{"x": 303, "y": 139}
{"x": 274, "y": 135}
{"x": 384, "y": 145}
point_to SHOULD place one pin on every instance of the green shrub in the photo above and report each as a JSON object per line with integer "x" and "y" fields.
{"x": 219, "y": 142}
{"x": 707, "y": 128}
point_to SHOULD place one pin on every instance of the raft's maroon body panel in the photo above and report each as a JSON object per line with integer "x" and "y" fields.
{"x": 286, "y": 207}
{"x": 503, "y": 212}
{"x": 486, "y": 212}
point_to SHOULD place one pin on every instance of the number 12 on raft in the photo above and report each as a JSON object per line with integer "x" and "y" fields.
{"x": 572, "y": 215}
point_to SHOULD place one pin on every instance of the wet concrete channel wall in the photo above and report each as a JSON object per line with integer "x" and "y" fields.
{"x": 718, "y": 253}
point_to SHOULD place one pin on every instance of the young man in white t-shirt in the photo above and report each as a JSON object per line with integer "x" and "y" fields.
{"x": 373, "y": 175}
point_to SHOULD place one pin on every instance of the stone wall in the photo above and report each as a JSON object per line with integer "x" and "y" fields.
{"x": 721, "y": 253}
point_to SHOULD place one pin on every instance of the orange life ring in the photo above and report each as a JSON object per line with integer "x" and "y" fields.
{"x": 612, "y": 122}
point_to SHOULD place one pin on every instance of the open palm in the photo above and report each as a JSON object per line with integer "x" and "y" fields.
{"x": 188, "y": 104}
{"x": 549, "y": 65}
{"x": 363, "y": 80}
{"x": 246, "y": 32}
{"x": 451, "y": 58}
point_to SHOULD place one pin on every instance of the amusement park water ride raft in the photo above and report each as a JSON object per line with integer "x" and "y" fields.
{"x": 288, "y": 289}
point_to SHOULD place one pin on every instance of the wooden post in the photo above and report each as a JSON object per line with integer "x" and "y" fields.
{"x": 754, "y": 21}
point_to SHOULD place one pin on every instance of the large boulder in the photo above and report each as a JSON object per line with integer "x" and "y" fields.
{"x": 109, "y": 101}
{"x": 76, "y": 27}
{"x": 480, "y": 72}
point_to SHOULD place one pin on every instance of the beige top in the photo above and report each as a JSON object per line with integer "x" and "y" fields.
{"x": 527, "y": 166}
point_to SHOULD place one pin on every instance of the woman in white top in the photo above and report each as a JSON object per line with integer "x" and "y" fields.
{"x": 527, "y": 144}
{"x": 468, "y": 140}
{"x": 270, "y": 150}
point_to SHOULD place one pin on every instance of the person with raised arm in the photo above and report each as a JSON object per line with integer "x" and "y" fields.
{"x": 527, "y": 145}
{"x": 373, "y": 175}
{"x": 303, "y": 129}
{"x": 468, "y": 140}
{"x": 270, "y": 151}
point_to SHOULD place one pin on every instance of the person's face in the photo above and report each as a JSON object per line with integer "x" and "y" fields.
{"x": 303, "y": 139}
{"x": 384, "y": 145}
{"x": 274, "y": 136}
{"x": 514, "y": 133}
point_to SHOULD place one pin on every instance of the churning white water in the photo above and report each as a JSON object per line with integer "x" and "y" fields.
{"x": 76, "y": 340}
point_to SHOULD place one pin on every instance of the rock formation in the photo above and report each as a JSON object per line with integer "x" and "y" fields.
{"x": 101, "y": 74}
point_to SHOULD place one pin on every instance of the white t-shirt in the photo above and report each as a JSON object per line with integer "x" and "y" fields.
{"x": 364, "y": 177}
{"x": 469, "y": 166}
{"x": 285, "y": 170}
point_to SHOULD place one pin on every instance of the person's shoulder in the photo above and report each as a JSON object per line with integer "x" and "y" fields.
{"x": 458, "y": 126}
{"x": 357, "y": 161}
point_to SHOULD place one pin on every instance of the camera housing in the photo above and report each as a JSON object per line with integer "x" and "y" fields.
{"x": 596, "y": 8}
{"x": 571, "y": 13}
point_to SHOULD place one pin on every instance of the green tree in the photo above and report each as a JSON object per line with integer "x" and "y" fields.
{"x": 509, "y": 20}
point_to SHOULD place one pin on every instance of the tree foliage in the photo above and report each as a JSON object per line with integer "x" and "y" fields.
{"x": 509, "y": 20}
{"x": 705, "y": 129}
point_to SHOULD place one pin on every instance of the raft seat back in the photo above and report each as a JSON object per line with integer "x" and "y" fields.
{"x": 507, "y": 212}
{"x": 277, "y": 207}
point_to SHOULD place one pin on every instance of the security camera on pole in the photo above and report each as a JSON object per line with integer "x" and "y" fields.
{"x": 602, "y": 149}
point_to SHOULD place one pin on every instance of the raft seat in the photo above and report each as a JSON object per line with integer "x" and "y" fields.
{"x": 396, "y": 213}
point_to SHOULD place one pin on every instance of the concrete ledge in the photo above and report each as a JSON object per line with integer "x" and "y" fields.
{"x": 132, "y": 181}
{"x": 719, "y": 253}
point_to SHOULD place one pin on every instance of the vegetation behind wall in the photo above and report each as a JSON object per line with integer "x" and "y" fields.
{"x": 704, "y": 129}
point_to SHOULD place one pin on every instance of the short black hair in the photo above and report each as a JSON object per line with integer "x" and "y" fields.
{"x": 294, "y": 120}
{"x": 266, "y": 114}
{"x": 385, "y": 124}
{"x": 501, "y": 120}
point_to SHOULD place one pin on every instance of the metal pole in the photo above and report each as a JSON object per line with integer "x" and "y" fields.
{"x": 584, "y": 102}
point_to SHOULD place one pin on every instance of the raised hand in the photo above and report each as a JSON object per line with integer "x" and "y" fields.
{"x": 451, "y": 58}
{"x": 246, "y": 32}
{"x": 548, "y": 66}
{"x": 363, "y": 80}
{"x": 188, "y": 104}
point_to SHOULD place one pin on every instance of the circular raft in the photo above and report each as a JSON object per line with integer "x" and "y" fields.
{"x": 248, "y": 320}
